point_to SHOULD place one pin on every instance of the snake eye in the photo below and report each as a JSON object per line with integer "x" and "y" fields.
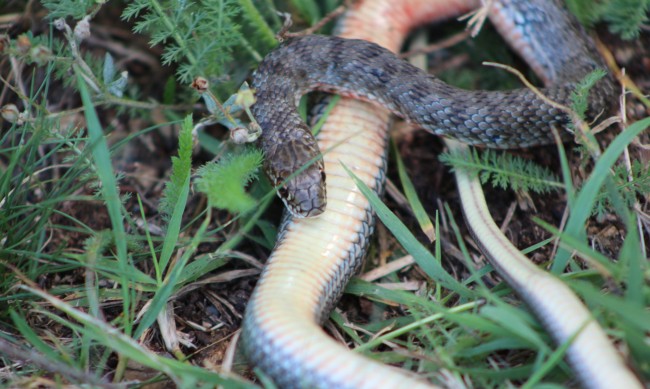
{"x": 283, "y": 192}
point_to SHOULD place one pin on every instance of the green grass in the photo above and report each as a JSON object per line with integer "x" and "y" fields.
{"x": 93, "y": 256}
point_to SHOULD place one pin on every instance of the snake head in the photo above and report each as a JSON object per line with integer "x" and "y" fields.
{"x": 299, "y": 176}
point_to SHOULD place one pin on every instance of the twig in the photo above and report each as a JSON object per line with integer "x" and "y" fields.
{"x": 388, "y": 268}
{"x": 444, "y": 44}
{"x": 628, "y": 168}
{"x": 284, "y": 34}
{"x": 476, "y": 18}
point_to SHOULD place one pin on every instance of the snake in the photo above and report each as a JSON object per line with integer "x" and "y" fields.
{"x": 353, "y": 67}
{"x": 322, "y": 241}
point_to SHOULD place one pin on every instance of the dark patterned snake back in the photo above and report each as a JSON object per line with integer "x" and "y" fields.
{"x": 496, "y": 119}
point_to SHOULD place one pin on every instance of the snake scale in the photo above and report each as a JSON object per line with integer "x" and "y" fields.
{"x": 315, "y": 257}
{"x": 497, "y": 119}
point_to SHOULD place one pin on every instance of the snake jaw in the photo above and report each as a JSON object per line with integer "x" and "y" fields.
{"x": 296, "y": 168}
{"x": 304, "y": 192}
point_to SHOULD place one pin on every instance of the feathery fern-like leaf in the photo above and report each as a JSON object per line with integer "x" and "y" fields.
{"x": 76, "y": 9}
{"x": 505, "y": 171}
{"x": 224, "y": 182}
{"x": 199, "y": 36}
{"x": 630, "y": 184}
{"x": 580, "y": 96}
{"x": 624, "y": 17}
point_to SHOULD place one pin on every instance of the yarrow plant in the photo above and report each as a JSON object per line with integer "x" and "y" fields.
{"x": 200, "y": 37}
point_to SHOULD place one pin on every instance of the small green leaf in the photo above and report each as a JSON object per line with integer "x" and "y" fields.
{"x": 109, "y": 68}
{"x": 224, "y": 182}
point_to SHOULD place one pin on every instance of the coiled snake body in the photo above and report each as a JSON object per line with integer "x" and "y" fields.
{"x": 315, "y": 257}
{"x": 497, "y": 119}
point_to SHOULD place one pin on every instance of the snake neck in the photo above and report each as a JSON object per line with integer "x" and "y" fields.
{"x": 496, "y": 119}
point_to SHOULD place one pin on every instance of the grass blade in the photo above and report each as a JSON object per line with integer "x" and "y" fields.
{"x": 586, "y": 198}
{"x": 414, "y": 201}
{"x": 422, "y": 256}
{"x": 104, "y": 168}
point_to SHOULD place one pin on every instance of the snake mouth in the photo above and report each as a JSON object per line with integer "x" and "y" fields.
{"x": 315, "y": 211}
{"x": 307, "y": 208}
{"x": 304, "y": 198}
{"x": 301, "y": 188}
